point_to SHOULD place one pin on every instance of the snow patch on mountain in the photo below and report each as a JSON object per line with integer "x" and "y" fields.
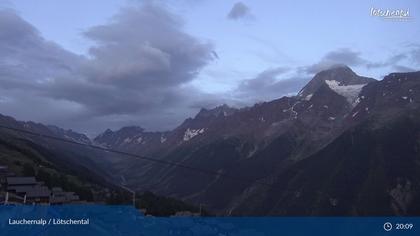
{"x": 357, "y": 101}
{"x": 139, "y": 140}
{"x": 162, "y": 139}
{"x": 308, "y": 97}
{"x": 191, "y": 133}
{"x": 350, "y": 92}
{"x": 355, "y": 114}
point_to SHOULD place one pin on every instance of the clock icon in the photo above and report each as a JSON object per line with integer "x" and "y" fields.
{"x": 387, "y": 226}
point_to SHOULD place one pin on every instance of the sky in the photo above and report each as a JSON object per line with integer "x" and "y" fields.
{"x": 93, "y": 65}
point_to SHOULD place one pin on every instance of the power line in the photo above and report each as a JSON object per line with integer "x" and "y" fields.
{"x": 162, "y": 162}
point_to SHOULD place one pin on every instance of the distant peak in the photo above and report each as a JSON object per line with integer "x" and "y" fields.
{"x": 224, "y": 106}
{"x": 339, "y": 73}
{"x": 337, "y": 69}
{"x": 223, "y": 109}
{"x": 339, "y": 66}
{"x": 108, "y": 131}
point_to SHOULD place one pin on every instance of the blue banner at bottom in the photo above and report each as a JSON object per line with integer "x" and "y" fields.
{"x": 126, "y": 220}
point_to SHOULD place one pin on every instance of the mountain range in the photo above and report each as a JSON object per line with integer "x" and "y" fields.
{"x": 344, "y": 145}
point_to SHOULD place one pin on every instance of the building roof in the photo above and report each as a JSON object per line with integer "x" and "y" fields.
{"x": 21, "y": 188}
{"x": 72, "y": 197}
{"x": 4, "y": 174}
{"x": 57, "y": 189}
{"x": 4, "y": 171}
{"x": 32, "y": 191}
{"x": 64, "y": 197}
{"x": 21, "y": 181}
{"x": 56, "y": 199}
{"x": 38, "y": 192}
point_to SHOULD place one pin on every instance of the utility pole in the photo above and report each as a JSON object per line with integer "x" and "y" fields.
{"x": 132, "y": 192}
{"x": 201, "y": 208}
{"x": 123, "y": 183}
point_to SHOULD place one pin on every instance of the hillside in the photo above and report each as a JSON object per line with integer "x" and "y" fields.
{"x": 284, "y": 143}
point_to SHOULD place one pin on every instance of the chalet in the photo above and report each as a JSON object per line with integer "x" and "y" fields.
{"x": 37, "y": 194}
{"x": 59, "y": 196}
{"x": 28, "y": 190}
{"x": 4, "y": 173}
{"x": 13, "y": 182}
{"x": 4, "y": 170}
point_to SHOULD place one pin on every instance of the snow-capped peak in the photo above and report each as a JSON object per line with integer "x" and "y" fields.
{"x": 350, "y": 92}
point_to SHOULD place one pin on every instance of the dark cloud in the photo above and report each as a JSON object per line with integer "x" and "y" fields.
{"x": 141, "y": 68}
{"x": 138, "y": 71}
{"x": 145, "y": 47}
{"x": 25, "y": 57}
{"x": 240, "y": 11}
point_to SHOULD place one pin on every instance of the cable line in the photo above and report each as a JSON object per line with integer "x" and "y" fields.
{"x": 163, "y": 162}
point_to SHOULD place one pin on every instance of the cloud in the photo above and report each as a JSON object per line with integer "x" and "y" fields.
{"x": 154, "y": 52}
{"x": 399, "y": 68}
{"x": 405, "y": 60}
{"x": 138, "y": 71}
{"x": 6, "y": 4}
{"x": 240, "y": 11}
{"x": 268, "y": 86}
{"x": 414, "y": 54}
{"x": 343, "y": 56}
{"x": 143, "y": 67}
{"x": 390, "y": 62}
{"x": 25, "y": 57}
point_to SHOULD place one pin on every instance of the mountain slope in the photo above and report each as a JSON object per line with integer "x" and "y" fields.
{"x": 344, "y": 142}
{"x": 366, "y": 171}
{"x": 26, "y": 158}
{"x": 64, "y": 157}
{"x": 339, "y": 78}
{"x": 256, "y": 143}
{"x": 370, "y": 169}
